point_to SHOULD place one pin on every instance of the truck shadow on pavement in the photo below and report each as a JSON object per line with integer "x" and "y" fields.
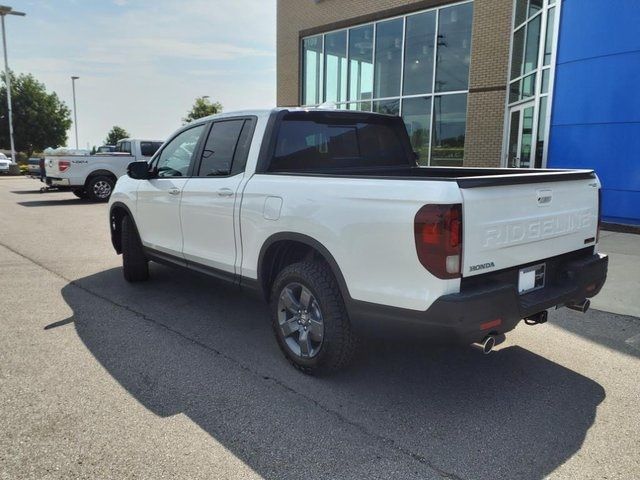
{"x": 181, "y": 343}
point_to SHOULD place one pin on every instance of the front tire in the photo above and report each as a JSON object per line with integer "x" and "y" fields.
{"x": 99, "y": 188}
{"x": 310, "y": 320}
{"x": 135, "y": 265}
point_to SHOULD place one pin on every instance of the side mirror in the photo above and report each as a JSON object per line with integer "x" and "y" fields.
{"x": 140, "y": 171}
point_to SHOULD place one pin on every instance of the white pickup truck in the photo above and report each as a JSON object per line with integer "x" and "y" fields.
{"x": 94, "y": 176}
{"x": 327, "y": 215}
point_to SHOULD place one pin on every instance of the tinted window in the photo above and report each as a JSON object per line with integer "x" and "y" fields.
{"x": 147, "y": 149}
{"x": 454, "y": 48}
{"x": 308, "y": 141}
{"x": 175, "y": 157}
{"x": 418, "y": 53}
{"x": 217, "y": 156}
{"x": 388, "y": 58}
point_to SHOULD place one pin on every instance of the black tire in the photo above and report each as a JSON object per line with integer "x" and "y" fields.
{"x": 99, "y": 188}
{"x": 135, "y": 265}
{"x": 338, "y": 344}
{"x": 80, "y": 193}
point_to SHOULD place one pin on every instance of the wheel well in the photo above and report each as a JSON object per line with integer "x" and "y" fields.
{"x": 115, "y": 225}
{"x": 281, "y": 254}
{"x": 100, "y": 173}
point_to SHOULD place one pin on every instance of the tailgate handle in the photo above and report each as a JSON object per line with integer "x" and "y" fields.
{"x": 174, "y": 191}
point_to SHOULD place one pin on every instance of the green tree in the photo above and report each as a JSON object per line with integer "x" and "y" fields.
{"x": 116, "y": 133}
{"x": 40, "y": 119}
{"x": 202, "y": 107}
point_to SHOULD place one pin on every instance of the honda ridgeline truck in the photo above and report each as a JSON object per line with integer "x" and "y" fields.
{"x": 328, "y": 216}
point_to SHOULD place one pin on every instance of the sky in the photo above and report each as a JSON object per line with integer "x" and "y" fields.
{"x": 142, "y": 63}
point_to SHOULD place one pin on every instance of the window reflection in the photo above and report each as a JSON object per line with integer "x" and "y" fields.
{"x": 418, "y": 55}
{"x": 449, "y": 123}
{"x": 335, "y": 48}
{"x": 454, "y": 48}
{"x": 312, "y": 63}
{"x": 416, "y": 113}
{"x": 388, "y": 58}
{"x": 361, "y": 63}
{"x": 389, "y": 107}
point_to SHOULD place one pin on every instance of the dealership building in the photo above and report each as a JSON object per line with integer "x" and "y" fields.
{"x": 485, "y": 83}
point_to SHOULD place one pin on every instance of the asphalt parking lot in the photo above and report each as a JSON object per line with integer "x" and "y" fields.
{"x": 180, "y": 377}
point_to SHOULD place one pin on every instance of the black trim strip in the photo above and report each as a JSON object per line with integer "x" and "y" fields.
{"x": 522, "y": 178}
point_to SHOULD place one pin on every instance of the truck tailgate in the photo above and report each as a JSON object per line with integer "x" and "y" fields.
{"x": 510, "y": 225}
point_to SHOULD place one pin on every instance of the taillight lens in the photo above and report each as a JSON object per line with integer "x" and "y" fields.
{"x": 63, "y": 165}
{"x": 438, "y": 235}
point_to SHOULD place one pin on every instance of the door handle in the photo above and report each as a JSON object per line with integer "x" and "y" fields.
{"x": 225, "y": 192}
{"x": 174, "y": 191}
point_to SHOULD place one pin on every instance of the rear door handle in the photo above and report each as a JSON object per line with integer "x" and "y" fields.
{"x": 174, "y": 191}
{"x": 225, "y": 192}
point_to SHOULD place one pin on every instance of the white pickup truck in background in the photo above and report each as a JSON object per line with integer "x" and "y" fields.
{"x": 94, "y": 176}
{"x": 328, "y": 216}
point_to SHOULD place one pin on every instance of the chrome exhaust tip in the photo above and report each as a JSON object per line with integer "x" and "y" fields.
{"x": 486, "y": 345}
{"x": 582, "y": 306}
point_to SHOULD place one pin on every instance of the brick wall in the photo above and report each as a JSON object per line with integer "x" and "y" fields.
{"x": 489, "y": 57}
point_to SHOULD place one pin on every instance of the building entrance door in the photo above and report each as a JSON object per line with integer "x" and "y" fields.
{"x": 520, "y": 136}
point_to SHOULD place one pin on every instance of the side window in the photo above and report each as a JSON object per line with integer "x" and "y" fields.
{"x": 220, "y": 148}
{"x": 148, "y": 149}
{"x": 125, "y": 147}
{"x": 175, "y": 157}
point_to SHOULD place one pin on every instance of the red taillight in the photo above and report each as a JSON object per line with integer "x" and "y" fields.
{"x": 438, "y": 235}
{"x": 63, "y": 165}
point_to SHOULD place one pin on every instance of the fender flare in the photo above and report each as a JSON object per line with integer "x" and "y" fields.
{"x": 311, "y": 242}
{"x": 115, "y": 241}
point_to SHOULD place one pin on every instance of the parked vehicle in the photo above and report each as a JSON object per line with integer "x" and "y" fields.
{"x": 93, "y": 176}
{"x": 33, "y": 166}
{"x": 327, "y": 215}
{"x": 5, "y": 163}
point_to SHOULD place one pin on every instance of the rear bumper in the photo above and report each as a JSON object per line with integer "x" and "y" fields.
{"x": 58, "y": 182}
{"x": 487, "y": 307}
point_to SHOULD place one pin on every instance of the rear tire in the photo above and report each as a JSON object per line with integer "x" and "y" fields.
{"x": 135, "y": 265}
{"x": 80, "y": 193}
{"x": 310, "y": 320}
{"x": 99, "y": 188}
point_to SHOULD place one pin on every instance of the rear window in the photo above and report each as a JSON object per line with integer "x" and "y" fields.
{"x": 148, "y": 149}
{"x": 327, "y": 140}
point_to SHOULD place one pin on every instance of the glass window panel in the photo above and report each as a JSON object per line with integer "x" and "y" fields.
{"x": 517, "y": 54}
{"x": 418, "y": 55}
{"x": 528, "y": 86}
{"x": 390, "y": 107}
{"x": 542, "y": 123}
{"x": 361, "y": 63}
{"x": 514, "y": 135}
{"x": 335, "y": 66}
{"x": 532, "y": 45}
{"x": 454, "y": 48}
{"x": 548, "y": 46}
{"x": 416, "y": 113}
{"x": 361, "y": 106}
{"x": 388, "y": 58}
{"x": 311, "y": 70}
{"x": 521, "y": 12}
{"x": 220, "y": 147}
{"x": 514, "y": 91}
{"x": 526, "y": 139}
{"x": 175, "y": 158}
{"x": 535, "y": 6}
{"x": 545, "y": 80}
{"x": 449, "y": 124}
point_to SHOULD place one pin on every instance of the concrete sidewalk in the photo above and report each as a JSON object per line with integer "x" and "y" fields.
{"x": 621, "y": 293}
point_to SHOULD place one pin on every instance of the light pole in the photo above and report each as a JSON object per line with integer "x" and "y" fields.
{"x": 75, "y": 115}
{"x": 4, "y": 11}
